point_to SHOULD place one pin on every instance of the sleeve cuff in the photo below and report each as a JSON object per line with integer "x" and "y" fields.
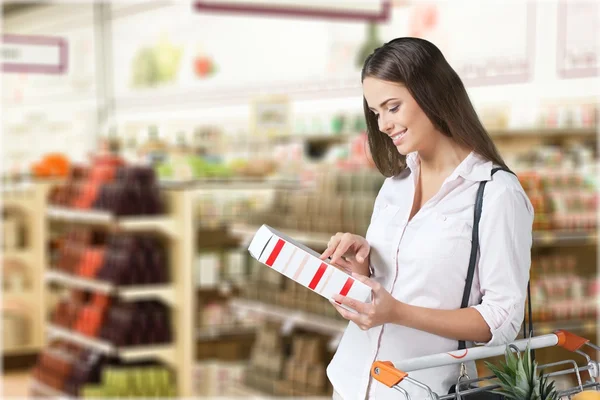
{"x": 502, "y": 329}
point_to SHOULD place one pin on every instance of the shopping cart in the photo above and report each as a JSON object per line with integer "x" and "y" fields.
{"x": 391, "y": 374}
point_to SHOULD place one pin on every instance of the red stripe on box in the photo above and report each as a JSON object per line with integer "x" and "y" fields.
{"x": 315, "y": 280}
{"x": 275, "y": 253}
{"x": 347, "y": 286}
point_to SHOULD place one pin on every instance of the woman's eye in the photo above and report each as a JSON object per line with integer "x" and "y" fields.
{"x": 393, "y": 110}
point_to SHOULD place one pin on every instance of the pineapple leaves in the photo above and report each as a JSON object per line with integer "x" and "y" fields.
{"x": 518, "y": 379}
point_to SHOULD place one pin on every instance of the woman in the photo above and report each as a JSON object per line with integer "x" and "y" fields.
{"x": 425, "y": 136}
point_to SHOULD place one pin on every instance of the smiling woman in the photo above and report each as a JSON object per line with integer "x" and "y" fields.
{"x": 440, "y": 278}
{"x": 421, "y": 83}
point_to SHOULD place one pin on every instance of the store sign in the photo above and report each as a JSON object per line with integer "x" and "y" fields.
{"x": 363, "y": 10}
{"x": 34, "y": 54}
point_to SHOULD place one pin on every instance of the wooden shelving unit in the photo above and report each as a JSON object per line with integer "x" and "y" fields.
{"x": 177, "y": 227}
{"x": 29, "y": 200}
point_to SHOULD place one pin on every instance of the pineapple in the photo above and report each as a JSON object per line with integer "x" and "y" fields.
{"x": 518, "y": 380}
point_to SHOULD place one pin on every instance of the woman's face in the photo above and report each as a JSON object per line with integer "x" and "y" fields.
{"x": 399, "y": 116}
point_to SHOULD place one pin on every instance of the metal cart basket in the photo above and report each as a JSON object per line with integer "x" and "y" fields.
{"x": 392, "y": 374}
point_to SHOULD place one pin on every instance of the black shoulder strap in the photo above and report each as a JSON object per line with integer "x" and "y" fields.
{"x": 473, "y": 256}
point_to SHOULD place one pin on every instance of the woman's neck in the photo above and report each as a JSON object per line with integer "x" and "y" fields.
{"x": 443, "y": 158}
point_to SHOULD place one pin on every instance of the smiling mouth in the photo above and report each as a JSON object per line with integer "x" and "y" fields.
{"x": 397, "y": 136}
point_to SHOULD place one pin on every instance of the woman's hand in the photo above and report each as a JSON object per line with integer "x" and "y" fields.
{"x": 383, "y": 309}
{"x": 350, "y": 252}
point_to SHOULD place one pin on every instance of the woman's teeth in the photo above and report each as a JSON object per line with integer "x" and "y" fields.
{"x": 398, "y": 135}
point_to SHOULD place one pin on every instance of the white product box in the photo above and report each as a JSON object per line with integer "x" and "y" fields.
{"x": 301, "y": 264}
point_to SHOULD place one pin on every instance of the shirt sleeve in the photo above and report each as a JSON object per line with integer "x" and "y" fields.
{"x": 505, "y": 258}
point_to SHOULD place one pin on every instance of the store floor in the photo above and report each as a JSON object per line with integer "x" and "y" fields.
{"x": 16, "y": 384}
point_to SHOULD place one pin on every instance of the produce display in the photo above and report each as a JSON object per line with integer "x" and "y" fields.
{"x": 156, "y": 65}
{"x": 191, "y": 166}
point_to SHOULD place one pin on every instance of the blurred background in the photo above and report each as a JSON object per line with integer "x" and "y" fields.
{"x": 144, "y": 142}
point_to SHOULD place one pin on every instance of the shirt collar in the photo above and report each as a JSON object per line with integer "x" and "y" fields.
{"x": 473, "y": 167}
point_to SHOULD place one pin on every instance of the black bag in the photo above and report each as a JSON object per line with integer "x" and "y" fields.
{"x": 488, "y": 395}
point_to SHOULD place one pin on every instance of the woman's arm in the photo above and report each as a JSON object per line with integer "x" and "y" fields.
{"x": 505, "y": 246}
{"x": 464, "y": 324}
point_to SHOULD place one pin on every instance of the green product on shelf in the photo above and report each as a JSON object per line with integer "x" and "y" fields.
{"x": 94, "y": 392}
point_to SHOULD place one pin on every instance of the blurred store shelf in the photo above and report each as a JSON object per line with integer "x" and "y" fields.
{"x": 140, "y": 223}
{"x": 316, "y": 138}
{"x": 236, "y": 183}
{"x": 306, "y": 238}
{"x": 20, "y": 350}
{"x": 290, "y": 317}
{"x": 588, "y": 326}
{"x": 24, "y": 296}
{"x": 540, "y": 239}
{"x": 218, "y": 332}
{"x": 240, "y": 390}
{"x": 22, "y": 256}
{"x": 549, "y": 238}
{"x": 127, "y": 293}
{"x": 163, "y": 352}
{"x": 591, "y": 132}
{"x": 46, "y": 390}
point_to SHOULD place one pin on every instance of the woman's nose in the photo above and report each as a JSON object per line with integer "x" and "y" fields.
{"x": 385, "y": 126}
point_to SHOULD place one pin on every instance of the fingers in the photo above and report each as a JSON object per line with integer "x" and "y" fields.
{"x": 374, "y": 285}
{"x": 349, "y": 315}
{"x": 356, "y": 305}
{"x": 343, "y": 245}
{"x": 363, "y": 321}
{"x": 332, "y": 245}
{"x": 343, "y": 265}
{"x": 363, "y": 253}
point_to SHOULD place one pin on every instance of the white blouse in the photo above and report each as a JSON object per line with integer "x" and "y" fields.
{"x": 424, "y": 262}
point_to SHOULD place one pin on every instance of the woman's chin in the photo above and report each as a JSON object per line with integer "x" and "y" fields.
{"x": 403, "y": 149}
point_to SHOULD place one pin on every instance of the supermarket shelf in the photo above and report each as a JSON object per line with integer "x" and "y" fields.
{"x": 591, "y": 132}
{"x": 82, "y": 340}
{"x": 236, "y": 183}
{"x": 47, "y": 390}
{"x": 26, "y": 297}
{"x": 306, "y": 238}
{"x": 239, "y": 389}
{"x": 216, "y": 332}
{"x": 317, "y": 138}
{"x": 22, "y": 256}
{"x": 20, "y": 350}
{"x": 290, "y": 317}
{"x": 141, "y": 223}
{"x": 588, "y": 326}
{"x": 128, "y": 293}
{"x": 164, "y": 353}
{"x": 542, "y": 239}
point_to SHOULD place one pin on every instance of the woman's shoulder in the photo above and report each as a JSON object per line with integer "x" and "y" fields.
{"x": 506, "y": 187}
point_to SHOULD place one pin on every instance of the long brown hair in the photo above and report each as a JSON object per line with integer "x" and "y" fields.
{"x": 421, "y": 67}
